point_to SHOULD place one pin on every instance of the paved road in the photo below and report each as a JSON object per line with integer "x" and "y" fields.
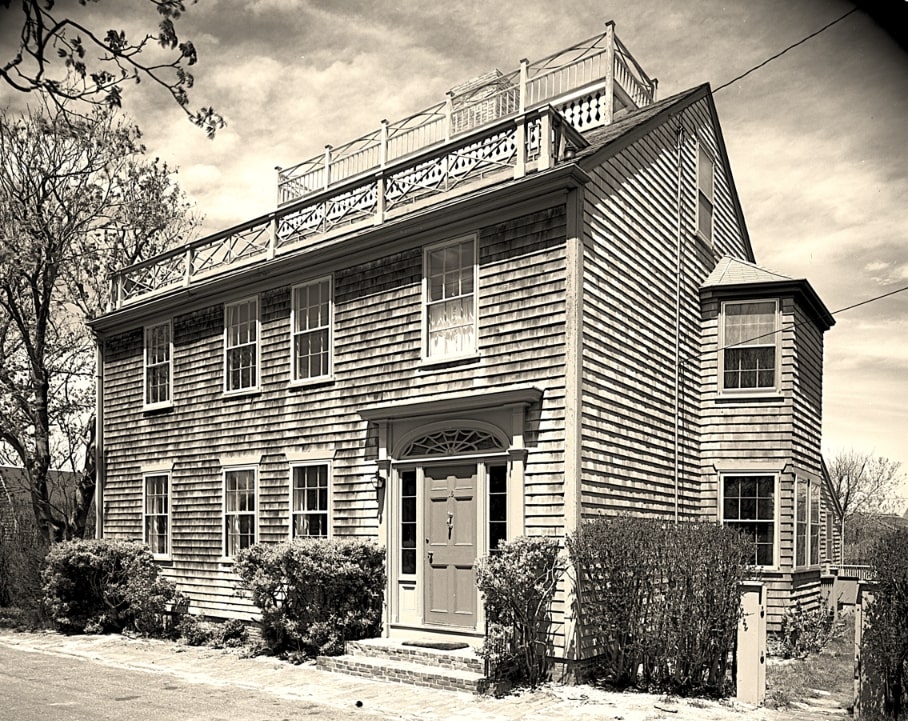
{"x": 42, "y": 687}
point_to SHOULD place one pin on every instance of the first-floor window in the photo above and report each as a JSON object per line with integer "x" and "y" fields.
{"x": 748, "y": 504}
{"x": 807, "y": 523}
{"x": 239, "y": 510}
{"x": 408, "y": 521}
{"x": 310, "y": 501}
{"x": 157, "y": 513}
{"x": 498, "y": 505}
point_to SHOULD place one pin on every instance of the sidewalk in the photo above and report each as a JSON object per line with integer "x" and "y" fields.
{"x": 226, "y": 667}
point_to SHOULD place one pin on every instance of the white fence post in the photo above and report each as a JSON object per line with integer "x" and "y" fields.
{"x": 750, "y": 677}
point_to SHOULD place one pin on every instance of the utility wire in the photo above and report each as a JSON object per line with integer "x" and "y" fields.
{"x": 782, "y": 52}
{"x": 790, "y": 326}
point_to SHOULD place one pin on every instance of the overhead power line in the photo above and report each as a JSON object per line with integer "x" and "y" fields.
{"x": 782, "y": 52}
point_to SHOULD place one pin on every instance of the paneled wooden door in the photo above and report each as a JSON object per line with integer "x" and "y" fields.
{"x": 450, "y": 526}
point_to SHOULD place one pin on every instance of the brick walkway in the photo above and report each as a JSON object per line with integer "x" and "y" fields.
{"x": 408, "y": 703}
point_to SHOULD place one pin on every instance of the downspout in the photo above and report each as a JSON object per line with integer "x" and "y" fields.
{"x": 679, "y": 139}
{"x": 99, "y": 439}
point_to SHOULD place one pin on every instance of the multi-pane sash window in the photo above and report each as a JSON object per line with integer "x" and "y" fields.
{"x": 311, "y": 330}
{"x": 498, "y": 506}
{"x": 749, "y": 347}
{"x": 807, "y": 523}
{"x": 241, "y": 322}
{"x": 239, "y": 510}
{"x": 310, "y": 501}
{"x": 706, "y": 173}
{"x": 158, "y": 357}
{"x": 450, "y": 299}
{"x": 748, "y": 504}
{"x": 157, "y": 513}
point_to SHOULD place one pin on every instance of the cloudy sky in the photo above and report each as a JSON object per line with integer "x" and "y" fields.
{"x": 817, "y": 139}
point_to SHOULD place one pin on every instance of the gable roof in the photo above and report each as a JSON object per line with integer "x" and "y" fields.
{"x": 607, "y": 140}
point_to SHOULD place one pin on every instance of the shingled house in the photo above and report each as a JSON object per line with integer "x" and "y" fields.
{"x": 530, "y": 304}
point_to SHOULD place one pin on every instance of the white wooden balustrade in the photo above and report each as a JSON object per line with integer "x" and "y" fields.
{"x": 501, "y": 123}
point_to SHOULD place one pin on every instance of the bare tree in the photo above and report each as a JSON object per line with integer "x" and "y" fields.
{"x": 77, "y": 200}
{"x": 863, "y": 483}
{"x": 65, "y": 59}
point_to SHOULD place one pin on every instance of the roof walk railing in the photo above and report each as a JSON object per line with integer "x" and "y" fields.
{"x": 529, "y": 141}
{"x": 602, "y": 60}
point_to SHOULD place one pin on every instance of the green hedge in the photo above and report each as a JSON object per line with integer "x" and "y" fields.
{"x": 659, "y": 602}
{"x": 884, "y": 653}
{"x": 104, "y": 586}
{"x": 315, "y": 594}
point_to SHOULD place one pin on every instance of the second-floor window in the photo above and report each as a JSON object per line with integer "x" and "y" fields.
{"x": 239, "y": 509}
{"x": 450, "y": 299}
{"x": 748, "y": 504}
{"x": 156, "y": 526}
{"x": 158, "y": 364}
{"x": 309, "y": 512}
{"x": 706, "y": 176}
{"x": 241, "y": 331}
{"x": 749, "y": 346}
{"x": 311, "y": 330}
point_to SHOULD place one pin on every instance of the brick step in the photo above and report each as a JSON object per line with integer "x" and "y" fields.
{"x": 416, "y": 674}
{"x": 459, "y": 659}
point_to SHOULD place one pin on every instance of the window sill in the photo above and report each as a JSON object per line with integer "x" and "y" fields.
{"x": 762, "y": 394}
{"x": 163, "y": 558}
{"x": 153, "y": 408}
{"x": 432, "y": 364}
{"x": 311, "y": 382}
{"x": 244, "y": 393}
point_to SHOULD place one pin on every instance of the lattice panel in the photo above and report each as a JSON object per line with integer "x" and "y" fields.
{"x": 244, "y": 244}
{"x": 453, "y": 442}
{"x": 343, "y": 209}
{"x": 164, "y": 273}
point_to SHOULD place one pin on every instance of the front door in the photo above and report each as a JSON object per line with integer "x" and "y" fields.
{"x": 450, "y": 525}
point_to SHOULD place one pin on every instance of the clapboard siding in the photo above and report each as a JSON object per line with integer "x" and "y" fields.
{"x": 631, "y": 217}
{"x": 377, "y": 359}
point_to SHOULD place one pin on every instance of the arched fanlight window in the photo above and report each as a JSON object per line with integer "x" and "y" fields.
{"x": 452, "y": 442}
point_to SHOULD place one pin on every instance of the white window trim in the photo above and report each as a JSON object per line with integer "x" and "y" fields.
{"x": 255, "y": 476}
{"x": 776, "y": 387}
{"x": 294, "y": 381}
{"x": 701, "y": 146}
{"x": 813, "y": 487}
{"x": 146, "y": 406}
{"x": 154, "y": 474}
{"x": 258, "y": 348}
{"x": 330, "y": 510}
{"x": 426, "y": 358}
{"x": 776, "y": 552}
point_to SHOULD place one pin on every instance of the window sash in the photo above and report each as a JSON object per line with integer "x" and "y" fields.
{"x": 311, "y": 330}
{"x": 498, "y": 505}
{"x": 239, "y": 510}
{"x": 450, "y": 299}
{"x": 241, "y": 345}
{"x": 158, "y": 355}
{"x": 749, "y": 339}
{"x": 748, "y": 504}
{"x": 310, "y": 501}
{"x": 706, "y": 173}
{"x": 408, "y": 523}
{"x": 156, "y": 513}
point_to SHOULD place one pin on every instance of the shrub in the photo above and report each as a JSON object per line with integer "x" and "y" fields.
{"x": 315, "y": 594}
{"x": 198, "y": 631}
{"x": 518, "y": 584}
{"x": 660, "y": 601}
{"x": 107, "y": 586}
{"x": 884, "y": 653}
{"x": 21, "y": 558}
{"x": 804, "y": 632}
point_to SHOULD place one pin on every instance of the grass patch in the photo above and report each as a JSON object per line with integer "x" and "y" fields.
{"x": 831, "y": 669}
